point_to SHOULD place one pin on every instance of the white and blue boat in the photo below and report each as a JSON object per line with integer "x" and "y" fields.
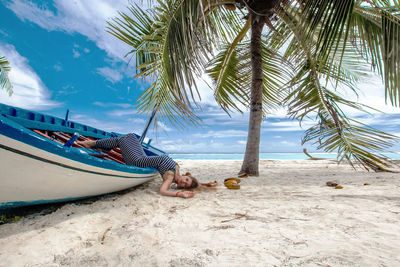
{"x": 40, "y": 163}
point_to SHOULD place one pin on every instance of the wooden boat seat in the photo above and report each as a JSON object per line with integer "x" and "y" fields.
{"x": 62, "y": 138}
{"x": 45, "y": 134}
{"x": 107, "y": 157}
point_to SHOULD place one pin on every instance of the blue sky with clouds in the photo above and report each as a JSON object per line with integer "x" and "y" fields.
{"x": 63, "y": 58}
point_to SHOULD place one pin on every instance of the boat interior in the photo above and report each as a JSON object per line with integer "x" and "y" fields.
{"x": 63, "y": 138}
{"x": 65, "y": 132}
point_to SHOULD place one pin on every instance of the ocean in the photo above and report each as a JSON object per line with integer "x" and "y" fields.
{"x": 273, "y": 156}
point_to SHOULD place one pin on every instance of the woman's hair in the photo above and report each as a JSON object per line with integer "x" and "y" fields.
{"x": 194, "y": 184}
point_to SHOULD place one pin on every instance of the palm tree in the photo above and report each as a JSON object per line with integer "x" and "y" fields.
{"x": 294, "y": 51}
{"x": 4, "y": 80}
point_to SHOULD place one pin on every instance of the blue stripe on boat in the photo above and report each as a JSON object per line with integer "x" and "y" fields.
{"x": 15, "y": 123}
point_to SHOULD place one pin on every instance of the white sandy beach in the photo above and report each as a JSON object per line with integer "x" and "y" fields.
{"x": 285, "y": 217}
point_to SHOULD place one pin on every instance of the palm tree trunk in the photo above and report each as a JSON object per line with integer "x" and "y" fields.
{"x": 251, "y": 157}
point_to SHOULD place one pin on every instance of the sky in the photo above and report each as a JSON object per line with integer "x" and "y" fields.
{"x": 62, "y": 58}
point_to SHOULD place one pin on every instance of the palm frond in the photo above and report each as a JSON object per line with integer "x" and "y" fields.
{"x": 232, "y": 77}
{"x": 158, "y": 94}
{"x": 325, "y": 25}
{"x": 335, "y": 131}
{"x": 366, "y": 35}
{"x": 135, "y": 29}
{"x": 226, "y": 70}
{"x": 223, "y": 24}
{"x": 391, "y": 56}
{"x": 356, "y": 141}
{"x": 376, "y": 32}
{"x": 172, "y": 44}
{"x": 4, "y": 80}
{"x": 374, "y": 28}
{"x": 163, "y": 41}
{"x": 277, "y": 73}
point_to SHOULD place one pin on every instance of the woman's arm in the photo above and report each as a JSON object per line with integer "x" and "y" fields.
{"x": 168, "y": 178}
{"x": 177, "y": 170}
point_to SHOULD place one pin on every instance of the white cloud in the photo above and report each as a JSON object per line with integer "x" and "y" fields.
{"x": 282, "y": 146}
{"x": 110, "y": 74}
{"x": 124, "y": 126}
{"x": 194, "y": 146}
{"x": 104, "y": 105}
{"x": 206, "y": 92}
{"x": 58, "y": 67}
{"x": 3, "y": 33}
{"x": 29, "y": 90}
{"x": 67, "y": 90}
{"x": 287, "y": 143}
{"x": 163, "y": 126}
{"x": 214, "y": 115}
{"x": 122, "y": 113}
{"x": 371, "y": 93}
{"x": 287, "y": 125}
{"x": 206, "y": 88}
{"x": 75, "y": 53}
{"x": 30, "y": 11}
{"x": 86, "y": 17}
{"x": 221, "y": 134}
{"x": 137, "y": 121}
{"x": 278, "y": 113}
{"x": 396, "y": 134}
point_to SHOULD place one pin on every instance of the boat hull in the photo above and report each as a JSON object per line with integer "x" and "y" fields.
{"x": 34, "y": 176}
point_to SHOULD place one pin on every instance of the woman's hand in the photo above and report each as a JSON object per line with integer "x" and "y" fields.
{"x": 210, "y": 184}
{"x": 185, "y": 194}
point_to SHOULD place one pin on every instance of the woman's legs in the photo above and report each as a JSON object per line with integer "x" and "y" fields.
{"x": 133, "y": 153}
{"x": 130, "y": 147}
{"x": 108, "y": 144}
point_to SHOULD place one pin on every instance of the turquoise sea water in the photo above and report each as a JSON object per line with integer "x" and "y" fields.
{"x": 276, "y": 156}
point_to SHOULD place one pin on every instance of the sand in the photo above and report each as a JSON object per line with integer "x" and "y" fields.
{"x": 285, "y": 217}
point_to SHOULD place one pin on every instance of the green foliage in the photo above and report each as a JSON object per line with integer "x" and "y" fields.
{"x": 231, "y": 73}
{"x": 327, "y": 41}
{"x": 170, "y": 50}
{"x": 4, "y": 80}
{"x": 8, "y": 219}
{"x": 313, "y": 47}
